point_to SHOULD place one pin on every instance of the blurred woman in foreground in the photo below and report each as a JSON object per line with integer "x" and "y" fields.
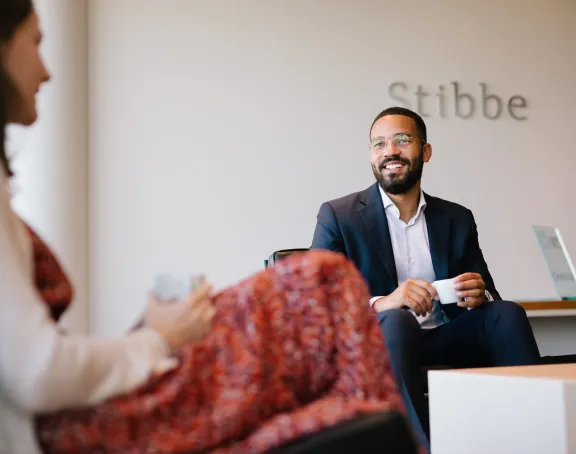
{"x": 286, "y": 352}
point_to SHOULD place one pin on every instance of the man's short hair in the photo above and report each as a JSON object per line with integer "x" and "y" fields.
{"x": 420, "y": 125}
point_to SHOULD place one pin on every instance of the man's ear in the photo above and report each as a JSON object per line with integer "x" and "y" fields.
{"x": 427, "y": 151}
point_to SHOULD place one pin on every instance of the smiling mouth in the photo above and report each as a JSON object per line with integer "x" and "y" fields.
{"x": 391, "y": 166}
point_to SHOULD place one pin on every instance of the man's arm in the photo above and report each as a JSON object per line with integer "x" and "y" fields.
{"x": 475, "y": 262}
{"x": 327, "y": 234}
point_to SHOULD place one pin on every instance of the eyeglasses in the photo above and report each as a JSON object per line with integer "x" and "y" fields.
{"x": 399, "y": 140}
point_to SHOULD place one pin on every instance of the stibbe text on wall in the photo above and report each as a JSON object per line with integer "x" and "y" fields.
{"x": 455, "y": 100}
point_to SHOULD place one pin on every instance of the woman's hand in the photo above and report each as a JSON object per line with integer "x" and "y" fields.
{"x": 180, "y": 322}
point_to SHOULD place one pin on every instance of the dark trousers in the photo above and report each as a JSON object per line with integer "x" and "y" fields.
{"x": 495, "y": 334}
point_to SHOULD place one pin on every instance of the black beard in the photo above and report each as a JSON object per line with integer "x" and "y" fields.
{"x": 400, "y": 184}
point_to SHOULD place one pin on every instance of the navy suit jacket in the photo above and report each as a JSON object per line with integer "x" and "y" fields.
{"x": 356, "y": 226}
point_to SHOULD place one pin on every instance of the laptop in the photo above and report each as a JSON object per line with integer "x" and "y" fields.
{"x": 557, "y": 259}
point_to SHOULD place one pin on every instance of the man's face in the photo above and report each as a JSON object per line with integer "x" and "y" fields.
{"x": 397, "y": 153}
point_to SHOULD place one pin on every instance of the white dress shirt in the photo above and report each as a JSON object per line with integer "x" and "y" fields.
{"x": 42, "y": 370}
{"x": 411, "y": 249}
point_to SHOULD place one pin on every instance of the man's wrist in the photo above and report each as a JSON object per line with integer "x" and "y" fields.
{"x": 374, "y": 299}
{"x": 377, "y": 304}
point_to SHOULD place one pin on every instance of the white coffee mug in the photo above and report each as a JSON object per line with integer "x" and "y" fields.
{"x": 446, "y": 291}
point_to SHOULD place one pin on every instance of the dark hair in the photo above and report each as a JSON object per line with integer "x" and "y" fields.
{"x": 420, "y": 125}
{"x": 12, "y": 14}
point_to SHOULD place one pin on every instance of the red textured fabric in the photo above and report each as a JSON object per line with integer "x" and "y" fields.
{"x": 294, "y": 349}
{"x": 51, "y": 281}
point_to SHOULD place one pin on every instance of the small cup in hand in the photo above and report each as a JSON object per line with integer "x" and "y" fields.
{"x": 446, "y": 291}
{"x": 171, "y": 288}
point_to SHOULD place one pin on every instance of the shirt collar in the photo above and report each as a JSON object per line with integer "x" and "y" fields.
{"x": 387, "y": 201}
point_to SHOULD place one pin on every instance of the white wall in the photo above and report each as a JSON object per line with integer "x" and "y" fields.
{"x": 217, "y": 128}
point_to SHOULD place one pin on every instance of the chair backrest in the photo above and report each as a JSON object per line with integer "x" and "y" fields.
{"x": 387, "y": 432}
{"x": 280, "y": 254}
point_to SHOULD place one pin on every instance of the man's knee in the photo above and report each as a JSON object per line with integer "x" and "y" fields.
{"x": 511, "y": 337}
{"x": 507, "y": 310}
{"x": 397, "y": 317}
{"x": 398, "y": 325}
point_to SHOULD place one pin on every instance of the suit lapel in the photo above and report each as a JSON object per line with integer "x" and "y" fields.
{"x": 372, "y": 213}
{"x": 438, "y": 226}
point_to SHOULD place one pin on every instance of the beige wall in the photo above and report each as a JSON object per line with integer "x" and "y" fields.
{"x": 219, "y": 127}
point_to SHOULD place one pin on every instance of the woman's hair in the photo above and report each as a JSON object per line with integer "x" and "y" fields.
{"x": 12, "y": 14}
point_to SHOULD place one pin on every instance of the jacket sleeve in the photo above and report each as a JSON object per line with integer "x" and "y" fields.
{"x": 475, "y": 262}
{"x": 327, "y": 234}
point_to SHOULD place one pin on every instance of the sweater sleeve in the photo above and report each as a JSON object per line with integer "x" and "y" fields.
{"x": 42, "y": 370}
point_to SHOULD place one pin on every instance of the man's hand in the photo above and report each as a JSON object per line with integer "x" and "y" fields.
{"x": 414, "y": 294}
{"x": 471, "y": 288}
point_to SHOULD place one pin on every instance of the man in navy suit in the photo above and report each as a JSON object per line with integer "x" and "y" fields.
{"x": 402, "y": 239}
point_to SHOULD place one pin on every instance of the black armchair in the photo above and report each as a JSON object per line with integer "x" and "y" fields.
{"x": 280, "y": 254}
{"x": 368, "y": 434}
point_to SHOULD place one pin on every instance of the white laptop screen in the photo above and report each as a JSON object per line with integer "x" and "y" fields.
{"x": 557, "y": 260}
